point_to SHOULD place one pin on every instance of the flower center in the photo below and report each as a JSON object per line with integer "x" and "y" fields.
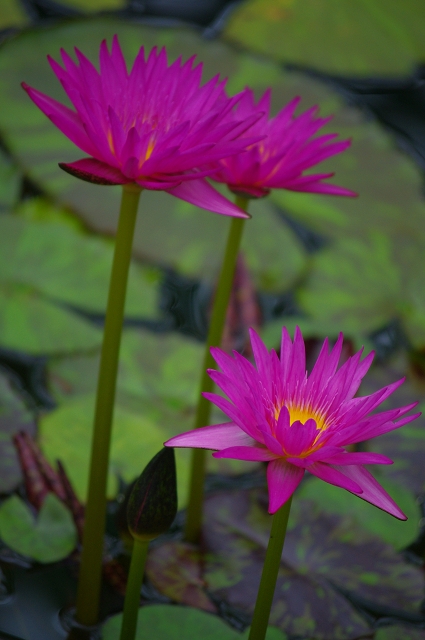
{"x": 303, "y": 414}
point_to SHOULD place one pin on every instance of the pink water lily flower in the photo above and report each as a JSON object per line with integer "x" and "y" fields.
{"x": 286, "y": 150}
{"x": 153, "y": 126}
{"x": 298, "y": 422}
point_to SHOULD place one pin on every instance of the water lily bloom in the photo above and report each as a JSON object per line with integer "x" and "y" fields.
{"x": 285, "y": 151}
{"x": 298, "y": 422}
{"x": 153, "y": 126}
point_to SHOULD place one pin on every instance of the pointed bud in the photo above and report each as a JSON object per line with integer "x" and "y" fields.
{"x": 152, "y": 506}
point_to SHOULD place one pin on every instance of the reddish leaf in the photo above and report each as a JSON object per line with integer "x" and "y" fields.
{"x": 175, "y": 569}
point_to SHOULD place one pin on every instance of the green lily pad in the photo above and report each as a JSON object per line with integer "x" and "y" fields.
{"x": 375, "y": 36}
{"x": 35, "y": 325}
{"x": 359, "y": 282}
{"x": 69, "y": 266}
{"x": 48, "y": 538}
{"x": 14, "y": 417}
{"x": 168, "y": 622}
{"x": 137, "y": 436}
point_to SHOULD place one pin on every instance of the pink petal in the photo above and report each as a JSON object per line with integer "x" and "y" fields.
{"x": 262, "y": 359}
{"x": 92, "y": 170}
{"x": 372, "y": 491}
{"x": 217, "y": 436}
{"x": 282, "y": 479}
{"x": 299, "y": 437}
{"x": 356, "y": 458}
{"x": 335, "y": 477}
{"x": 63, "y": 118}
{"x": 252, "y": 454}
{"x": 202, "y": 194}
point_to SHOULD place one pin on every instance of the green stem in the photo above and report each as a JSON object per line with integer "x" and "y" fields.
{"x": 271, "y": 566}
{"x": 132, "y": 592}
{"x": 90, "y": 576}
{"x": 218, "y": 318}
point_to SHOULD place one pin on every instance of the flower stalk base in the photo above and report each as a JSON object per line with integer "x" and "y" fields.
{"x": 89, "y": 583}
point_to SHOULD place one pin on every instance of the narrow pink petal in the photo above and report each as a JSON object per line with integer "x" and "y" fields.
{"x": 334, "y": 476}
{"x": 63, "y": 118}
{"x": 356, "y": 458}
{"x": 372, "y": 491}
{"x": 282, "y": 479}
{"x": 92, "y": 170}
{"x": 373, "y": 430}
{"x": 224, "y": 361}
{"x": 202, "y": 194}
{"x": 262, "y": 359}
{"x": 254, "y": 453}
{"x": 216, "y": 437}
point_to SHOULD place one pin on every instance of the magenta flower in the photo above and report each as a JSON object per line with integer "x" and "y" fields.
{"x": 298, "y": 422}
{"x": 153, "y": 126}
{"x": 285, "y": 151}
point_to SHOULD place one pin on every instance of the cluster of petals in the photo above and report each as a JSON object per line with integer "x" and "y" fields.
{"x": 297, "y": 422}
{"x": 153, "y": 126}
{"x": 285, "y": 150}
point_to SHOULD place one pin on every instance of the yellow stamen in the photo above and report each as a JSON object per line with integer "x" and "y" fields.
{"x": 303, "y": 414}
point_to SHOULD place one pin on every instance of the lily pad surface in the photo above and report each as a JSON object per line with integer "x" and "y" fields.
{"x": 322, "y": 553}
{"x": 48, "y": 538}
{"x": 359, "y": 37}
{"x": 69, "y": 266}
{"x": 167, "y": 622}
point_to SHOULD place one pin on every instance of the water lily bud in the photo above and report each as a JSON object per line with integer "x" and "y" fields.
{"x": 152, "y": 506}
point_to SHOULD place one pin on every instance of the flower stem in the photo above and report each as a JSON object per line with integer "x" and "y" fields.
{"x": 271, "y": 565}
{"x": 132, "y": 592}
{"x": 90, "y": 576}
{"x": 215, "y": 332}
